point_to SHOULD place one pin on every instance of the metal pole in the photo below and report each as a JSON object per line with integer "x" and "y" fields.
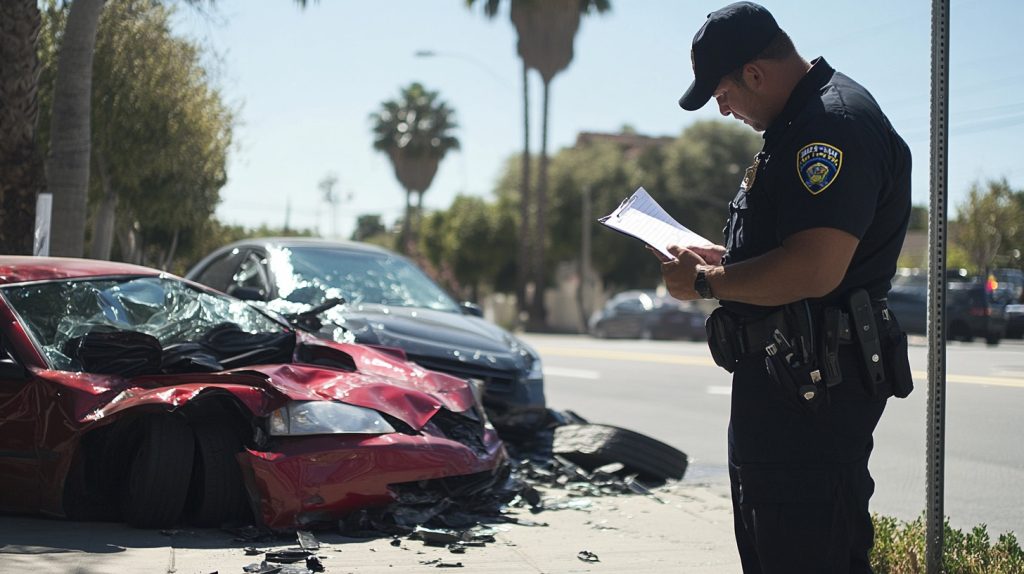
{"x": 937, "y": 288}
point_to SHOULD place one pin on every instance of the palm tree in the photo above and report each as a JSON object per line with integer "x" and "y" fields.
{"x": 21, "y": 172}
{"x": 67, "y": 165}
{"x": 546, "y": 30}
{"x": 415, "y": 132}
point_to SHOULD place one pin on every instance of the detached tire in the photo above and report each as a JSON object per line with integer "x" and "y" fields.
{"x": 592, "y": 446}
{"x": 218, "y": 494}
{"x": 159, "y": 473}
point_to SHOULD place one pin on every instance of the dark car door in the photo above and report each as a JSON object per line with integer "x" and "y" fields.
{"x": 21, "y": 406}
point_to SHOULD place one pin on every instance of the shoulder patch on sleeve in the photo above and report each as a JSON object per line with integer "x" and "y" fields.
{"x": 818, "y": 165}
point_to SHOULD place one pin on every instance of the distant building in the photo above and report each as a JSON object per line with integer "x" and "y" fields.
{"x": 632, "y": 144}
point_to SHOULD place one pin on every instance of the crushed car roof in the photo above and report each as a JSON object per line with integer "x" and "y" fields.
{"x": 18, "y": 269}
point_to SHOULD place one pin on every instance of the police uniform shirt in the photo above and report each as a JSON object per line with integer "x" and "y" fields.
{"x": 830, "y": 159}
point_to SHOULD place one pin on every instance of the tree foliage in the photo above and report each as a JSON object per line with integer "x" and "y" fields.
{"x": 161, "y": 134}
{"x": 472, "y": 239}
{"x": 681, "y": 174}
{"x": 990, "y": 223}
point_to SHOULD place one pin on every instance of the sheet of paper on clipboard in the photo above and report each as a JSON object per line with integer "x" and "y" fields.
{"x": 640, "y": 216}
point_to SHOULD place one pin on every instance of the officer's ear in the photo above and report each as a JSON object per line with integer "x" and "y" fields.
{"x": 754, "y": 75}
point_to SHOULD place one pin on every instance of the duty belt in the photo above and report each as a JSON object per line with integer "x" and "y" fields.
{"x": 752, "y": 335}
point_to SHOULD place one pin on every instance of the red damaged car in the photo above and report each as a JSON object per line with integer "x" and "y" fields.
{"x": 130, "y": 394}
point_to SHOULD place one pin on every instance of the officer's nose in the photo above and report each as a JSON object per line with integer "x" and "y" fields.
{"x": 723, "y": 106}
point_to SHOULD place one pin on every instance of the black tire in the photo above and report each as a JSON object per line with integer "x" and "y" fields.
{"x": 592, "y": 446}
{"x": 217, "y": 495}
{"x": 159, "y": 473}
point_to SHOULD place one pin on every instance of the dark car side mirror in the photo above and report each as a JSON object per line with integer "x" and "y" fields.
{"x": 247, "y": 293}
{"x": 471, "y": 309}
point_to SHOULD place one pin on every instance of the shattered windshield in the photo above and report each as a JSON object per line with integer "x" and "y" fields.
{"x": 311, "y": 275}
{"x": 165, "y": 308}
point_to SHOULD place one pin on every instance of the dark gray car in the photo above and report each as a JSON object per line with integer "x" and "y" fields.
{"x": 389, "y": 302}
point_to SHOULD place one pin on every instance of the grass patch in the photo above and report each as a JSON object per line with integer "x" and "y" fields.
{"x": 900, "y": 549}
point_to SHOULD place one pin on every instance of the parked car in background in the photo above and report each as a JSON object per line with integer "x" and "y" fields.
{"x": 127, "y": 393}
{"x": 388, "y": 302}
{"x": 975, "y": 306}
{"x": 647, "y": 315}
{"x": 1012, "y": 280}
{"x": 1015, "y": 321}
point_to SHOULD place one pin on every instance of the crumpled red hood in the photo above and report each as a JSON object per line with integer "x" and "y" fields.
{"x": 381, "y": 382}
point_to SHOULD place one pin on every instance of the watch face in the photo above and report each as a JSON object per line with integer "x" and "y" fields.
{"x": 701, "y": 285}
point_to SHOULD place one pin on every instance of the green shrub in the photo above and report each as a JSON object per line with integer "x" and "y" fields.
{"x": 900, "y": 549}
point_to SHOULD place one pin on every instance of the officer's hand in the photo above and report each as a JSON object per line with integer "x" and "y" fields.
{"x": 712, "y": 254}
{"x": 679, "y": 273}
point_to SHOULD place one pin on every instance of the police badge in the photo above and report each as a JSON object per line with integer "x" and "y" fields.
{"x": 817, "y": 165}
{"x": 751, "y": 174}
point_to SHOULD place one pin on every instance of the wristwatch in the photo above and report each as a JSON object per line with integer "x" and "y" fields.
{"x": 701, "y": 284}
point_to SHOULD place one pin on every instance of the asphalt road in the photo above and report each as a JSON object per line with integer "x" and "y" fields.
{"x": 672, "y": 391}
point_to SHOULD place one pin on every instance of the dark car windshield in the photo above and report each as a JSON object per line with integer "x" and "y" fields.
{"x": 166, "y": 308}
{"x": 309, "y": 275}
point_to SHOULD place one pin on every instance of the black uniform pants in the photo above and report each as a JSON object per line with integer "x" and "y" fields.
{"x": 800, "y": 480}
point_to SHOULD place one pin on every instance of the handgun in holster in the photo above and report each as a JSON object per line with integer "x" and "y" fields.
{"x": 792, "y": 360}
{"x": 868, "y": 337}
{"x": 790, "y": 367}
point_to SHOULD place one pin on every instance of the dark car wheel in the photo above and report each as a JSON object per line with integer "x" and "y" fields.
{"x": 592, "y": 446}
{"x": 159, "y": 473}
{"x": 217, "y": 495}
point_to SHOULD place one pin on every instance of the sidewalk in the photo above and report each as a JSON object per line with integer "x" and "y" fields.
{"x": 688, "y": 530}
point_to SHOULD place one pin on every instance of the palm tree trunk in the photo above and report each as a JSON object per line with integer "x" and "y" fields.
{"x": 21, "y": 173}
{"x": 67, "y": 168}
{"x": 407, "y": 223}
{"x": 127, "y": 241}
{"x": 538, "y": 311}
{"x": 103, "y": 223}
{"x": 419, "y": 216}
{"x": 523, "y": 269}
{"x": 169, "y": 256}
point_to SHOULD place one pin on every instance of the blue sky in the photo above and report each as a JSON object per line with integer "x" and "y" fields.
{"x": 306, "y": 81}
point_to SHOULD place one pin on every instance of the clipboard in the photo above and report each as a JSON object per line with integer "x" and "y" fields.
{"x": 640, "y": 216}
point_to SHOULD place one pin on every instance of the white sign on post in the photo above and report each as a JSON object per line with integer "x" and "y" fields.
{"x": 41, "y": 241}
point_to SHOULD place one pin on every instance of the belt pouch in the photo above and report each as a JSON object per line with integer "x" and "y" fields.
{"x": 723, "y": 328}
{"x": 897, "y": 361}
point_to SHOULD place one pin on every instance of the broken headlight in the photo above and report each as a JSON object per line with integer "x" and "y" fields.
{"x": 299, "y": 418}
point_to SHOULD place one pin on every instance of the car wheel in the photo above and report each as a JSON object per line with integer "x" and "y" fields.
{"x": 217, "y": 494}
{"x": 159, "y": 473}
{"x": 592, "y": 446}
{"x": 992, "y": 339}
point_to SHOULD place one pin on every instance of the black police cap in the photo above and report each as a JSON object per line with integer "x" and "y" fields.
{"x": 728, "y": 39}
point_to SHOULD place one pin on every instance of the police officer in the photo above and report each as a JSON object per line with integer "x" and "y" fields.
{"x": 821, "y": 212}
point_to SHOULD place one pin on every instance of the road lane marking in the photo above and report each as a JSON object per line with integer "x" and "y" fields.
{"x": 572, "y": 373}
{"x": 922, "y": 376}
{"x": 546, "y": 351}
{"x": 574, "y": 352}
